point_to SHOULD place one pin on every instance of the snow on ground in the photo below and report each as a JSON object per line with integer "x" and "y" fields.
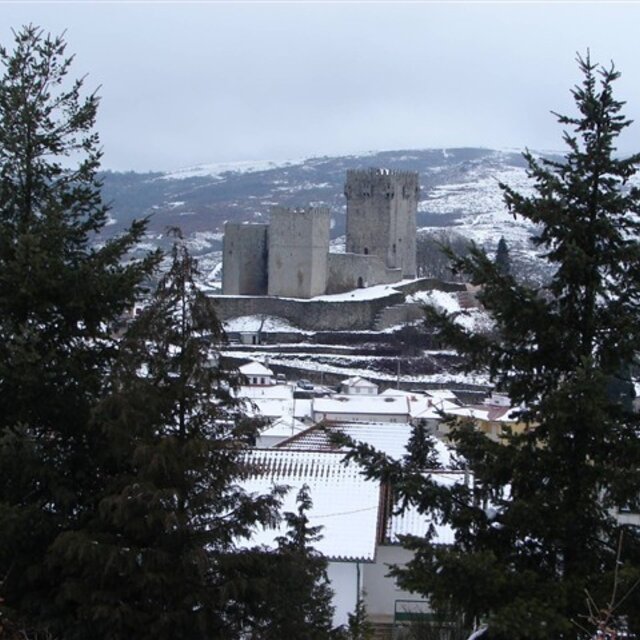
{"x": 218, "y": 169}
{"x": 301, "y": 186}
{"x": 338, "y": 245}
{"x": 472, "y": 319}
{"x": 202, "y": 240}
{"x": 479, "y": 202}
{"x": 338, "y": 364}
{"x": 439, "y": 299}
{"x": 366, "y": 293}
{"x": 251, "y": 324}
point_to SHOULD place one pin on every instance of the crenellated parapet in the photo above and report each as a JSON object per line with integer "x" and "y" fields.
{"x": 384, "y": 183}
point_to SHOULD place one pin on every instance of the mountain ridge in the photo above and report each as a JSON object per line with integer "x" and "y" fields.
{"x": 459, "y": 191}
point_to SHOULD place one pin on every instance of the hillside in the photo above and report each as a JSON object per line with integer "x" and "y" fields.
{"x": 459, "y": 191}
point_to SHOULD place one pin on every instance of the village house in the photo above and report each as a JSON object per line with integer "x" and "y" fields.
{"x": 257, "y": 374}
{"x": 359, "y": 528}
{"x": 356, "y": 408}
{"x": 357, "y": 386}
{"x": 492, "y": 417}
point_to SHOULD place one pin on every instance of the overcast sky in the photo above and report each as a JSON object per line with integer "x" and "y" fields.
{"x": 190, "y": 83}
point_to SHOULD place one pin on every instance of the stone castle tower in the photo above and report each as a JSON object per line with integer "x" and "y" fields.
{"x": 245, "y": 255}
{"x": 298, "y": 251}
{"x": 381, "y": 216}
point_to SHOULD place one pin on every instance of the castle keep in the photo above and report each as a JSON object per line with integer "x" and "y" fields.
{"x": 290, "y": 256}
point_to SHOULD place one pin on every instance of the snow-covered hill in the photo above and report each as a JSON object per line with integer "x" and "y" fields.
{"x": 460, "y": 190}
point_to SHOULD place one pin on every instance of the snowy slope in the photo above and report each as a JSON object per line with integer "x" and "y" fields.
{"x": 460, "y": 190}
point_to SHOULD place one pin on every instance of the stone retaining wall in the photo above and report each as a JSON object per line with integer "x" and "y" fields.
{"x": 324, "y": 315}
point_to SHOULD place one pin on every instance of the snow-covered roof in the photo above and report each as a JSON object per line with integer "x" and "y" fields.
{"x": 411, "y": 522}
{"x": 442, "y": 394}
{"x": 345, "y": 504}
{"x": 487, "y": 413}
{"x": 377, "y": 405}
{"x": 357, "y": 381}
{"x": 284, "y": 427}
{"x": 388, "y": 437}
{"x": 255, "y": 369}
{"x": 477, "y": 413}
{"x": 427, "y": 404}
{"x": 279, "y": 407}
{"x": 275, "y": 391}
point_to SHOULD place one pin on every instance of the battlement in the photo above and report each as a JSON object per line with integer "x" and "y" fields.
{"x": 387, "y": 183}
{"x": 373, "y": 172}
{"x": 308, "y": 212}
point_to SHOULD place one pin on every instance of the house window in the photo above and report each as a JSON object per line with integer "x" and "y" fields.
{"x": 360, "y": 283}
{"x": 366, "y": 251}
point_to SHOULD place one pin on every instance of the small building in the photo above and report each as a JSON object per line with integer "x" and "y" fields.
{"x": 360, "y": 528}
{"x": 280, "y": 430}
{"x": 257, "y": 374}
{"x": 276, "y": 405}
{"x": 423, "y": 407}
{"x": 353, "y": 408}
{"x": 490, "y": 419}
{"x": 357, "y": 386}
{"x": 345, "y": 504}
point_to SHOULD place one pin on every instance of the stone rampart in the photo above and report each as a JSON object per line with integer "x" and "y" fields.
{"x": 325, "y": 315}
{"x": 311, "y": 315}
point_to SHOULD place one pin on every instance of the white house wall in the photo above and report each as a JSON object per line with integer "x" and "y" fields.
{"x": 359, "y": 417}
{"x": 344, "y": 582}
{"x": 381, "y": 591}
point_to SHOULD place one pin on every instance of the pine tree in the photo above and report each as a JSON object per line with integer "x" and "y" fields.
{"x": 155, "y": 561}
{"x": 537, "y": 531}
{"x": 358, "y": 625}
{"x": 60, "y": 293}
{"x": 503, "y": 261}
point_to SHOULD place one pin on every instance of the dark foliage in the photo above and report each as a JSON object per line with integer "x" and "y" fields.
{"x": 537, "y": 530}
{"x": 148, "y": 564}
{"x": 60, "y": 294}
{"x": 550, "y": 533}
{"x": 503, "y": 261}
{"x": 285, "y": 592}
{"x": 120, "y": 454}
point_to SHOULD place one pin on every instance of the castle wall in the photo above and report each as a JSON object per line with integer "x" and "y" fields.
{"x": 298, "y": 250}
{"x": 311, "y": 315}
{"x": 244, "y": 253}
{"x": 381, "y": 216}
{"x": 348, "y": 271}
{"x": 325, "y": 315}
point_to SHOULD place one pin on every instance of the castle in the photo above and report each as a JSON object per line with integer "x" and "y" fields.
{"x": 290, "y": 256}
